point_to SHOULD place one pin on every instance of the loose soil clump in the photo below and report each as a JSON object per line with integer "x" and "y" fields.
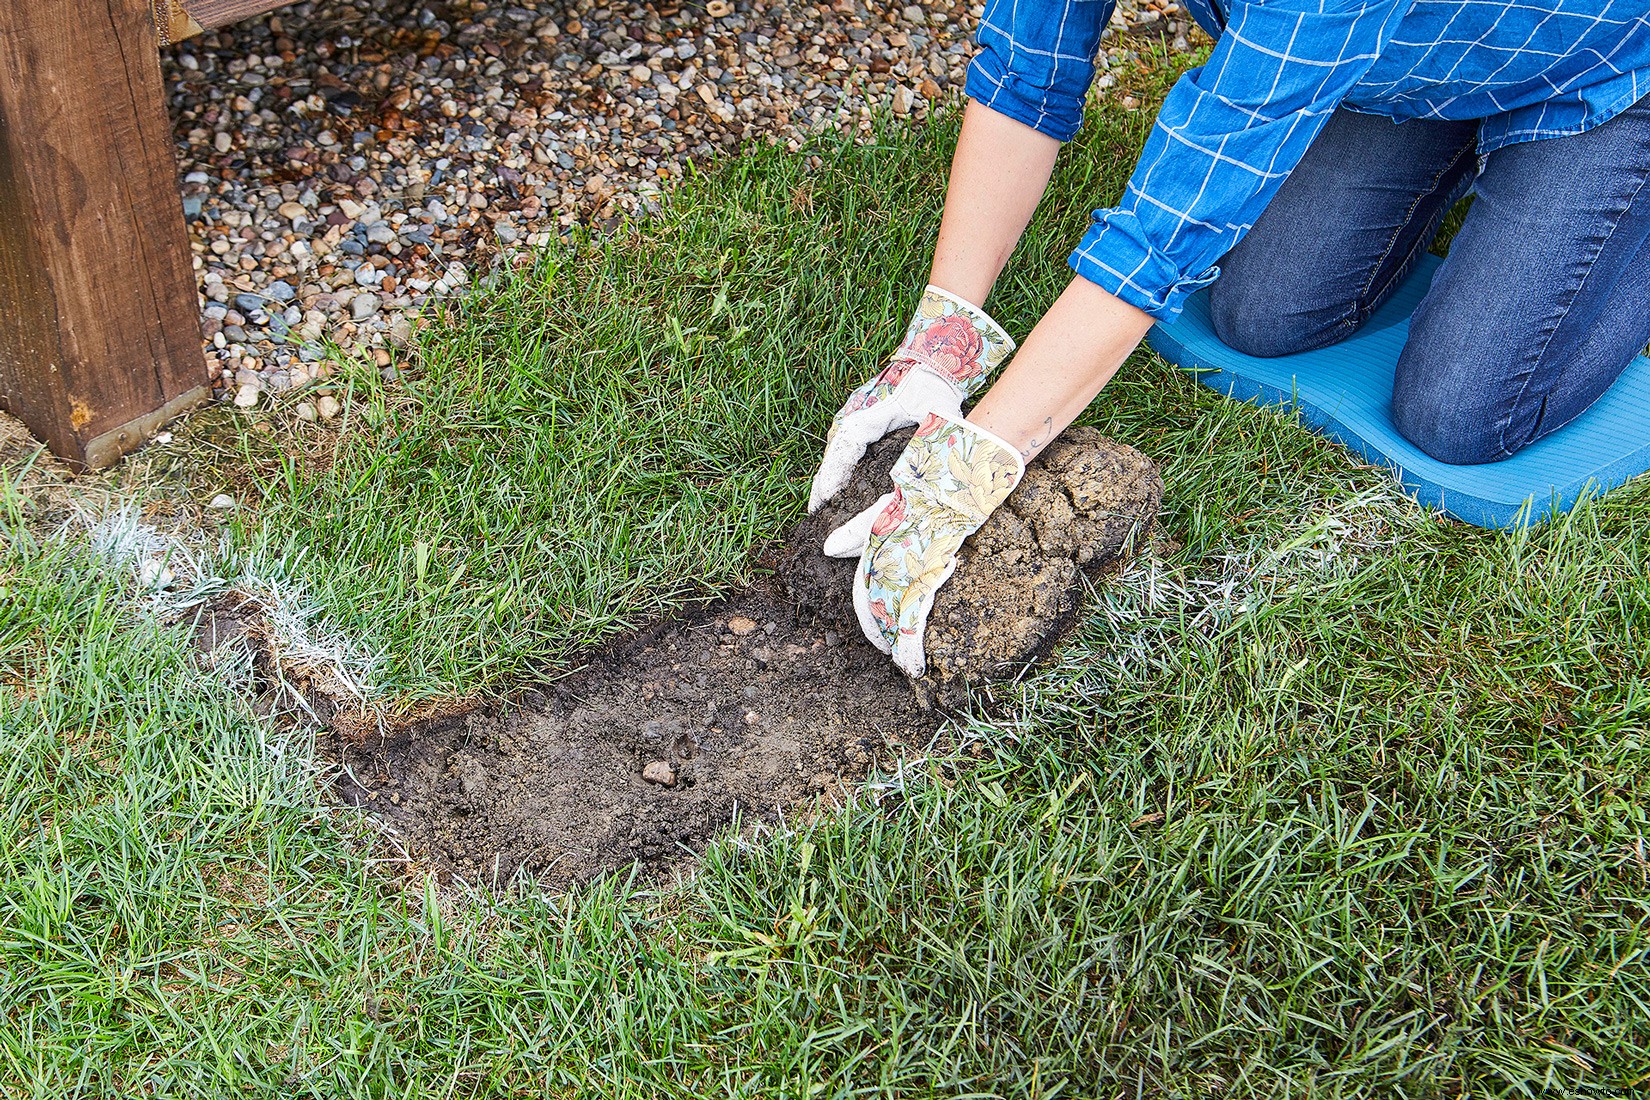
{"x": 749, "y": 710}
{"x": 1084, "y": 505}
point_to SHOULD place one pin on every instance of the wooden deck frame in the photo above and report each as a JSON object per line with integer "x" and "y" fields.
{"x": 100, "y": 339}
{"x": 218, "y": 13}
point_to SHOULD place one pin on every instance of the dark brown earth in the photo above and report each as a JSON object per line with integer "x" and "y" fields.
{"x": 742, "y": 726}
{"x": 749, "y": 710}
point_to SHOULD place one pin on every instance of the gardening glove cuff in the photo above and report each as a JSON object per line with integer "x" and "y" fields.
{"x": 950, "y": 350}
{"x": 948, "y": 481}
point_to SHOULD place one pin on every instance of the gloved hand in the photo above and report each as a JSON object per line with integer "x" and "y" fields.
{"x": 950, "y": 350}
{"x": 950, "y": 478}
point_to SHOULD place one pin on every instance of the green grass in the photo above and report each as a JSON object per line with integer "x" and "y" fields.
{"x": 609, "y": 433}
{"x": 1336, "y": 799}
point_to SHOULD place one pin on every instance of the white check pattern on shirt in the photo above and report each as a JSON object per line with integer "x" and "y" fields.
{"x": 1230, "y": 132}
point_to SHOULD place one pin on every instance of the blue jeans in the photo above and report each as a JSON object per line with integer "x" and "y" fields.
{"x": 1543, "y": 299}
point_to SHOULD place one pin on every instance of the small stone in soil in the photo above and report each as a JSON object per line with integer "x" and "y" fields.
{"x": 740, "y": 626}
{"x": 660, "y": 772}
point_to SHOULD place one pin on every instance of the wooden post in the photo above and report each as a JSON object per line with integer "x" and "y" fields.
{"x": 100, "y": 339}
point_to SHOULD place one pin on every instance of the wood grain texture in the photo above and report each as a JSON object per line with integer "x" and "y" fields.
{"x": 101, "y": 324}
{"x": 217, "y": 13}
{"x": 173, "y": 23}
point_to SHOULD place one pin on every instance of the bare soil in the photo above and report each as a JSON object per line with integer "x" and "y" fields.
{"x": 750, "y": 710}
{"x": 739, "y": 712}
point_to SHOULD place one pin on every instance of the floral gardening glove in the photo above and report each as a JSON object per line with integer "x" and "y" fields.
{"x": 949, "y": 351}
{"x": 952, "y": 476}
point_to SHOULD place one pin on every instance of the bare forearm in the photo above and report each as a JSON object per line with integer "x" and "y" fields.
{"x": 1068, "y": 358}
{"x": 998, "y": 175}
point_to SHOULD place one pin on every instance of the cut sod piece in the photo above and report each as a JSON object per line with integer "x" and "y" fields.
{"x": 1084, "y": 505}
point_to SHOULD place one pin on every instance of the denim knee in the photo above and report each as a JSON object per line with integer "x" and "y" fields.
{"x": 1261, "y": 314}
{"x": 1445, "y": 409}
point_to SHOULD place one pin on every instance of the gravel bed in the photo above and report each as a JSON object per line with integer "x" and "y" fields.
{"x": 342, "y": 162}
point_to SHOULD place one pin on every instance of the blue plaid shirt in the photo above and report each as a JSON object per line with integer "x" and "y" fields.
{"x": 1231, "y": 131}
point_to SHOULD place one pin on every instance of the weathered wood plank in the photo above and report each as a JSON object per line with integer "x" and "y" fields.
{"x": 172, "y": 22}
{"x": 101, "y": 324}
{"x": 217, "y": 13}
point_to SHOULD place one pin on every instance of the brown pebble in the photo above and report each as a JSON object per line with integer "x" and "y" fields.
{"x": 657, "y": 771}
{"x": 740, "y": 626}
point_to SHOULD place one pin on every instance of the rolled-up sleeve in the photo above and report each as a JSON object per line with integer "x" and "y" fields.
{"x": 1228, "y": 135}
{"x": 1036, "y": 61}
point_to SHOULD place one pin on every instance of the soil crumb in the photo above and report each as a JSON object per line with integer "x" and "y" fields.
{"x": 1085, "y": 504}
{"x": 750, "y": 710}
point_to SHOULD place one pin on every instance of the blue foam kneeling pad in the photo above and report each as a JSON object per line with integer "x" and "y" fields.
{"x": 1345, "y": 392}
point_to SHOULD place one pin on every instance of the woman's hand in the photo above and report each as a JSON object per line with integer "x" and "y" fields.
{"x": 955, "y": 473}
{"x": 950, "y": 478}
{"x": 998, "y": 174}
{"x": 949, "y": 353}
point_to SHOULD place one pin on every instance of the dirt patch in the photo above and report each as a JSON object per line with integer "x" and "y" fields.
{"x": 741, "y": 712}
{"x": 749, "y": 710}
